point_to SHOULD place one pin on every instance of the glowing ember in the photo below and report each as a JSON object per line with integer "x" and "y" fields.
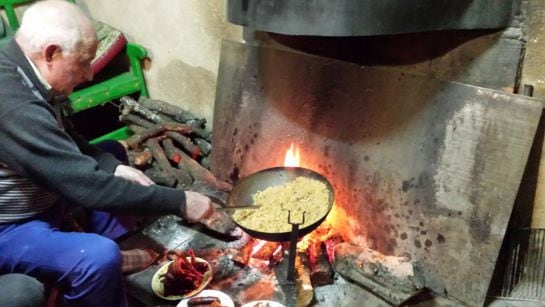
{"x": 257, "y": 246}
{"x": 293, "y": 157}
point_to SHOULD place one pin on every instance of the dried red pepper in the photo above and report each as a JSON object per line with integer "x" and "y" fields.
{"x": 184, "y": 274}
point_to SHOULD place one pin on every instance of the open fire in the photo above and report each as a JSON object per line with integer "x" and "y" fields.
{"x": 324, "y": 252}
{"x": 314, "y": 251}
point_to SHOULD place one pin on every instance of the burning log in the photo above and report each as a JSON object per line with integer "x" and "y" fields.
{"x": 303, "y": 287}
{"x": 266, "y": 249}
{"x": 329, "y": 246}
{"x": 242, "y": 256}
{"x": 321, "y": 273}
{"x": 391, "y": 278}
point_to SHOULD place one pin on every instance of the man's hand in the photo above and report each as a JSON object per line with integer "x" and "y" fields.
{"x": 132, "y": 174}
{"x": 198, "y": 207}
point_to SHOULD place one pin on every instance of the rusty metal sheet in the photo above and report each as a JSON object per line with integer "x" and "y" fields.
{"x": 420, "y": 167}
{"x": 369, "y": 17}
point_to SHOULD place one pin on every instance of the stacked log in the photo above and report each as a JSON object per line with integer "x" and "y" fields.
{"x": 171, "y": 146}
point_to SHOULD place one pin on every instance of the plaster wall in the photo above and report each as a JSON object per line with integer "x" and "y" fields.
{"x": 183, "y": 39}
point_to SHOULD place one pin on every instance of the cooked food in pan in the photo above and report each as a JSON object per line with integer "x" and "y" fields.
{"x": 303, "y": 194}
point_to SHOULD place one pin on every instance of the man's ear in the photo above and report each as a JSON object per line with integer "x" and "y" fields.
{"x": 50, "y": 51}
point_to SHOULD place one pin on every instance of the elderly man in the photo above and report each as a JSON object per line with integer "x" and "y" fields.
{"x": 43, "y": 167}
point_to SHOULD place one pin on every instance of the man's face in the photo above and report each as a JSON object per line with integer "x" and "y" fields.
{"x": 67, "y": 70}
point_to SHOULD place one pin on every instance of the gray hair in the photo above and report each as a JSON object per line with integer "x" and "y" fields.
{"x": 53, "y": 22}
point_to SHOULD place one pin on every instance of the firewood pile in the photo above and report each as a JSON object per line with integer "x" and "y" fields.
{"x": 171, "y": 145}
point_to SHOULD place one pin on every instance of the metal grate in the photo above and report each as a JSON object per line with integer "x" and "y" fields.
{"x": 524, "y": 277}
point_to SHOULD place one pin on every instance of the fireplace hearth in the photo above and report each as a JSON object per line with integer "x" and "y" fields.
{"x": 425, "y": 173}
{"x": 423, "y": 169}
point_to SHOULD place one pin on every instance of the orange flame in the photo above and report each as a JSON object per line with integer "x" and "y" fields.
{"x": 293, "y": 157}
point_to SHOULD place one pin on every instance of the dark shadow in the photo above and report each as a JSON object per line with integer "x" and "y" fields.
{"x": 402, "y": 49}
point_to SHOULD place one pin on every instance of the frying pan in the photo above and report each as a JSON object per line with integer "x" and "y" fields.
{"x": 242, "y": 195}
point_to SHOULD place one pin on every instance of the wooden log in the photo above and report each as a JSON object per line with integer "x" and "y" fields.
{"x": 184, "y": 180}
{"x": 136, "y": 120}
{"x": 242, "y": 255}
{"x": 205, "y": 162}
{"x": 266, "y": 250}
{"x": 321, "y": 272}
{"x": 329, "y": 246}
{"x": 135, "y": 129}
{"x": 157, "y": 176}
{"x": 160, "y": 157}
{"x": 177, "y": 113}
{"x": 203, "y": 134}
{"x": 141, "y": 158}
{"x": 193, "y": 150}
{"x": 204, "y": 146}
{"x": 130, "y": 105}
{"x": 303, "y": 285}
{"x": 136, "y": 140}
{"x": 390, "y": 278}
{"x": 198, "y": 172}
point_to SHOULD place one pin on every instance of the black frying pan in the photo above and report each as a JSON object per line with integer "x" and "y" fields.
{"x": 243, "y": 191}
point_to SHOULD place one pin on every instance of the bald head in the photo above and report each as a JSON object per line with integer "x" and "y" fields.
{"x": 57, "y": 22}
{"x": 61, "y": 42}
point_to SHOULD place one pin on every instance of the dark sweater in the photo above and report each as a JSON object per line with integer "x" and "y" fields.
{"x": 35, "y": 150}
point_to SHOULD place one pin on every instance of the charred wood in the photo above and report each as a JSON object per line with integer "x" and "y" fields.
{"x": 321, "y": 272}
{"x": 141, "y": 159}
{"x": 184, "y": 180}
{"x": 201, "y": 133}
{"x": 186, "y": 144}
{"x": 329, "y": 247}
{"x": 390, "y": 278}
{"x": 136, "y": 140}
{"x": 129, "y": 105}
{"x": 160, "y": 157}
{"x": 204, "y": 146}
{"x": 135, "y": 120}
{"x": 157, "y": 176}
{"x": 242, "y": 255}
{"x": 266, "y": 250}
{"x": 170, "y": 110}
{"x": 205, "y": 162}
{"x": 135, "y": 129}
{"x": 198, "y": 172}
{"x": 303, "y": 289}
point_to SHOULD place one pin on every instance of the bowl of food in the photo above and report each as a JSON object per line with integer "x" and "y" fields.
{"x": 181, "y": 278}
